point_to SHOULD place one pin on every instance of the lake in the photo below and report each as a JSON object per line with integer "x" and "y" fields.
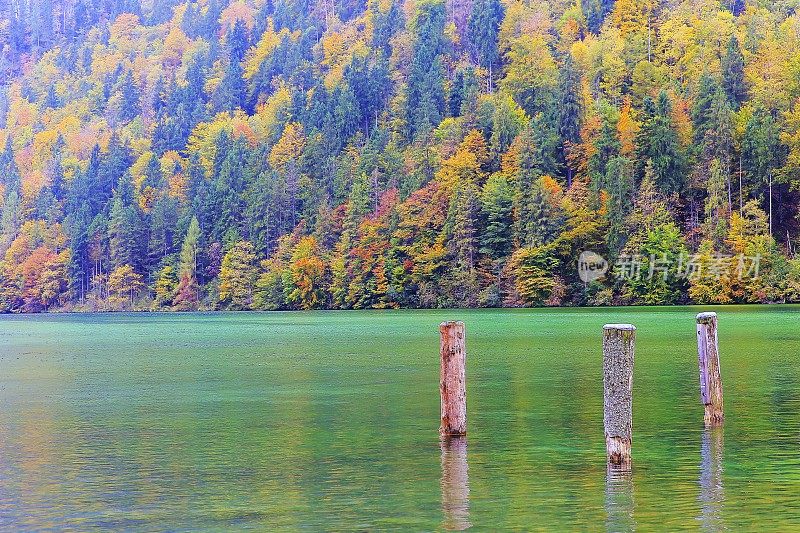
{"x": 328, "y": 421}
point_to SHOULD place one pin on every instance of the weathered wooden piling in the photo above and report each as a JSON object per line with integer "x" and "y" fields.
{"x": 708, "y": 360}
{"x": 452, "y": 379}
{"x": 618, "y": 349}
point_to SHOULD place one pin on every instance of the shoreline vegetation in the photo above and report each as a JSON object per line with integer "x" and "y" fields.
{"x": 251, "y": 154}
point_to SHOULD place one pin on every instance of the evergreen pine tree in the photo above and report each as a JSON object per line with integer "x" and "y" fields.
{"x": 462, "y": 243}
{"x": 761, "y": 152}
{"x": 9, "y": 172}
{"x": 483, "y": 28}
{"x": 658, "y": 146}
{"x": 569, "y": 122}
{"x": 606, "y": 148}
{"x": 130, "y": 93}
{"x": 425, "y": 91}
{"x": 163, "y": 220}
{"x": 528, "y": 173}
{"x": 733, "y": 73}
{"x": 10, "y": 220}
{"x": 187, "y": 293}
{"x": 497, "y": 202}
{"x": 620, "y": 186}
{"x": 120, "y": 234}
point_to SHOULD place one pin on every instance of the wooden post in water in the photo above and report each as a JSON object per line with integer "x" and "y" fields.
{"x": 618, "y": 348}
{"x": 708, "y": 359}
{"x": 452, "y": 379}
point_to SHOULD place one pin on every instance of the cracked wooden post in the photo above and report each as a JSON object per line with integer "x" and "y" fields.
{"x": 708, "y": 359}
{"x": 618, "y": 348}
{"x": 452, "y": 379}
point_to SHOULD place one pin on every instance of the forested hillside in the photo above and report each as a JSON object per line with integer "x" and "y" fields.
{"x": 291, "y": 154}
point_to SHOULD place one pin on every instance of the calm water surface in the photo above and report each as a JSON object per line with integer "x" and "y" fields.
{"x": 328, "y": 421}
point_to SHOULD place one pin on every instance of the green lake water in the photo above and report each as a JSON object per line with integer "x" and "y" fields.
{"x": 328, "y": 421}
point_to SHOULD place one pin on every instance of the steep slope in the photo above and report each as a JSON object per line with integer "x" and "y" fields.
{"x": 260, "y": 154}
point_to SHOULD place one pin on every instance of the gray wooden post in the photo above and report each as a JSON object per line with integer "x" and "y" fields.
{"x": 708, "y": 360}
{"x": 618, "y": 350}
{"x": 452, "y": 379}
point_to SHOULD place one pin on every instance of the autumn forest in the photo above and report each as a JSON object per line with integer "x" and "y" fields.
{"x": 352, "y": 154}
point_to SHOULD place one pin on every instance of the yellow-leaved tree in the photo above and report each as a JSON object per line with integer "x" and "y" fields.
{"x": 237, "y": 275}
{"x": 124, "y": 284}
{"x": 303, "y": 280}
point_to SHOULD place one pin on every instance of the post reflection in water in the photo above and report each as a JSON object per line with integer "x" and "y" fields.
{"x": 619, "y": 499}
{"x": 455, "y": 483}
{"x": 712, "y": 493}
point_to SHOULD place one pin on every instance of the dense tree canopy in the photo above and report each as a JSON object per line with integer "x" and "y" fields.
{"x": 253, "y": 154}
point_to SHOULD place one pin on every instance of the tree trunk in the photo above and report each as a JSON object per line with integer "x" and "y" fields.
{"x": 770, "y": 203}
{"x": 741, "y": 204}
